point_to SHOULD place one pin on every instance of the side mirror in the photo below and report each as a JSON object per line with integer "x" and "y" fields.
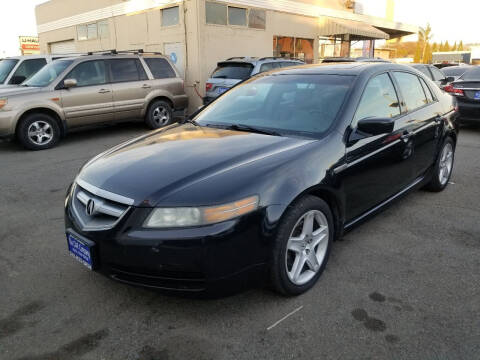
{"x": 17, "y": 79}
{"x": 376, "y": 126}
{"x": 69, "y": 83}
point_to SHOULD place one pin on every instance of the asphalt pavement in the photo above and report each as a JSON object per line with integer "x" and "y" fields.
{"x": 404, "y": 285}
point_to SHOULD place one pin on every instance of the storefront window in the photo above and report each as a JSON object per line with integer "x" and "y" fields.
{"x": 257, "y": 19}
{"x": 304, "y": 50}
{"x": 237, "y": 16}
{"x": 170, "y": 16}
{"x": 216, "y": 13}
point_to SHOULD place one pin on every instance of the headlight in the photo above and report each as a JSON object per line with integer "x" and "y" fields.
{"x": 184, "y": 217}
{"x": 3, "y": 102}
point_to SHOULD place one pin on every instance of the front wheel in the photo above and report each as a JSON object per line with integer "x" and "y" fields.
{"x": 38, "y": 132}
{"x": 443, "y": 167}
{"x": 302, "y": 246}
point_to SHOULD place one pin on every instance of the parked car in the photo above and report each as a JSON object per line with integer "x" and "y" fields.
{"x": 437, "y": 76}
{"x": 466, "y": 90}
{"x": 86, "y": 90}
{"x": 456, "y": 71}
{"x": 262, "y": 180}
{"x": 17, "y": 69}
{"x": 236, "y": 69}
{"x": 350, "y": 59}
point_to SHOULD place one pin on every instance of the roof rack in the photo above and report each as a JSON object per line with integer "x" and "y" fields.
{"x": 279, "y": 58}
{"x": 242, "y": 58}
{"x": 116, "y": 52}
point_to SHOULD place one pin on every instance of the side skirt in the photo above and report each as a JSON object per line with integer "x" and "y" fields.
{"x": 377, "y": 208}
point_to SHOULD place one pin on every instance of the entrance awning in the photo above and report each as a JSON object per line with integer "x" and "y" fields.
{"x": 356, "y": 29}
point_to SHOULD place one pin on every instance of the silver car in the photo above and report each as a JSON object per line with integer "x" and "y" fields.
{"x": 234, "y": 70}
{"x": 15, "y": 70}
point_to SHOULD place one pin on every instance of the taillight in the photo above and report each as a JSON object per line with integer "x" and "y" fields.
{"x": 453, "y": 90}
{"x": 208, "y": 86}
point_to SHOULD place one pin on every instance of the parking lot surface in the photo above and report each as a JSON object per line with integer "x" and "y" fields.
{"x": 404, "y": 285}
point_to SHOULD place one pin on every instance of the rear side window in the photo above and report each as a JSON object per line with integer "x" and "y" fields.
{"x": 411, "y": 90}
{"x": 428, "y": 93}
{"x": 424, "y": 70}
{"x": 268, "y": 67}
{"x": 89, "y": 73}
{"x": 26, "y": 69}
{"x": 379, "y": 100}
{"x": 160, "y": 68}
{"x": 124, "y": 70}
{"x": 437, "y": 74}
{"x": 236, "y": 71}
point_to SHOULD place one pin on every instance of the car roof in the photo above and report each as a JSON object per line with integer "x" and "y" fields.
{"x": 107, "y": 56}
{"x": 21, "y": 57}
{"x": 256, "y": 60}
{"x": 354, "y": 68}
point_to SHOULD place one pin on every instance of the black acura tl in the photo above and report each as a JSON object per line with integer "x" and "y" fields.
{"x": 259, "y": 183}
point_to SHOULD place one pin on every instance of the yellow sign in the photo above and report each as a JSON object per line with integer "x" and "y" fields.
{"x": 29, "y": 45}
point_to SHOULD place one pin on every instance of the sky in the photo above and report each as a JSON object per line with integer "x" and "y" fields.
{"x": 450, "y": 20}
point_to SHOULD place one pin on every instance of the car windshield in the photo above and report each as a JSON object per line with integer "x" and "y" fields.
{"x": 472, "y": 74}
{"x": 301, "y": 105}
{"x": 48, "y": 74}
{"x": 232, "y": 71}
{"x": 6, "y": 67}
{"x": 454, "y": 70}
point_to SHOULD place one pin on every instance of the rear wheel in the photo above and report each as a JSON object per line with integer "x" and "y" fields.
{"x": 302, "y": 246}
{"x": 38, "y": 132}
{"x": 443, "y": 167}
{"x": 159, "y": 114}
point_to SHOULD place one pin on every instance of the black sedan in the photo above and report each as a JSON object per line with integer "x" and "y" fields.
{"x": 466, "y": 90}
{"x": 258, "y": 184}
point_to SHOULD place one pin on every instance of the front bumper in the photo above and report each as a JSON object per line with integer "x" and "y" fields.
{"x": 7, "y": 125}
{"x": 219, "y": 258}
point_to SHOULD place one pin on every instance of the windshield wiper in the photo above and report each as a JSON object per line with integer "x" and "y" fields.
{"x": 253, "y": 129}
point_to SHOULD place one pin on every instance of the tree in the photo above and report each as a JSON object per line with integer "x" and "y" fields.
{"x": 460, "y": 46}
{"x": 418, "y": 54}
{"x": 447, "y": 46}
{"x": 428, "y": 54}
{"x": 435, "y": 47}
{"x": 424, "y": 36}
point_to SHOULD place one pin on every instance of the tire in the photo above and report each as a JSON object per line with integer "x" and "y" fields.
{"x": 38, "y": 132}
{"x": 286, "y": 251}
{"x": 159, "y": 114}
{"x": 443, "y": 164}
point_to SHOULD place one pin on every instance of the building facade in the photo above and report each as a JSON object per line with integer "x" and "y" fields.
{"x": 197, "y": 34}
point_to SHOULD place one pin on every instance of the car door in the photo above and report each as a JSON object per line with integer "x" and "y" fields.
{"x": 90, "y": 101}
{"x": 377, "y": 167}
{"x": 423, "y": 119}
{"x": 130, "y": 86}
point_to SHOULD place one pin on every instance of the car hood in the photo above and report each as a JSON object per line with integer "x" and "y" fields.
{"x": 11, "y": 90}
{"x": 156, "y": 165}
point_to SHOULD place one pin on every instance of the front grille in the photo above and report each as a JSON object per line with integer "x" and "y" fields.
{"x": 94, "y": 212}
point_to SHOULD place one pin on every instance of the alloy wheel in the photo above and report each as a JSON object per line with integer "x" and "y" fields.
{"x": 307, "y": 247}
{"x": 40, "y": 132}
{"x": 446, "y": 163}
{"x": 161, "y": 116}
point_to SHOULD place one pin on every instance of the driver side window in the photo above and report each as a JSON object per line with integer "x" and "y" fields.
{"x": 89, "y": 73}
{"x": 379, "y": 99}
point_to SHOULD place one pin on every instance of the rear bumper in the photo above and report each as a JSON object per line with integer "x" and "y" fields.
{"x": 469, "y": 111}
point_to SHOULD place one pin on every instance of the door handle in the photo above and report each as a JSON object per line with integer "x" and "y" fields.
{"x": 103, "y": 91}
{"x": 145, "y": 86}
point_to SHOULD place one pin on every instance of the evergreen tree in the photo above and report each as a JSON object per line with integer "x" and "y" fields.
{"x": 447, "y": 46}
{"x": 435, "y": 47}
{"x": 454, "y": 48}
{"x": 428, "y": 54}
{"x": 418, "y": 53}
{"x": 460, "y": 46}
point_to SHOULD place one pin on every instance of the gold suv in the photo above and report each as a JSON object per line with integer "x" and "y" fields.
{"x": 91, "y": 89}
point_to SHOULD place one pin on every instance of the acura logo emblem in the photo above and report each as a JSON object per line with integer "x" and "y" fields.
{"x": 90, "y": 209}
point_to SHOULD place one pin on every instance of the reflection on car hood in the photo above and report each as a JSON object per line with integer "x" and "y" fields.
{"x": 11, "y": 90}
{"x": 165, "y": 161}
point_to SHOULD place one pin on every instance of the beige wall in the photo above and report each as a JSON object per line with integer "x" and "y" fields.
{"x": 206, "y": 44}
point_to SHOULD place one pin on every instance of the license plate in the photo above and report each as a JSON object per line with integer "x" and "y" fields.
{"x": 80, "y": 250}
{"x": 477, "y": 95}
{"x": 221, "y": 90}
